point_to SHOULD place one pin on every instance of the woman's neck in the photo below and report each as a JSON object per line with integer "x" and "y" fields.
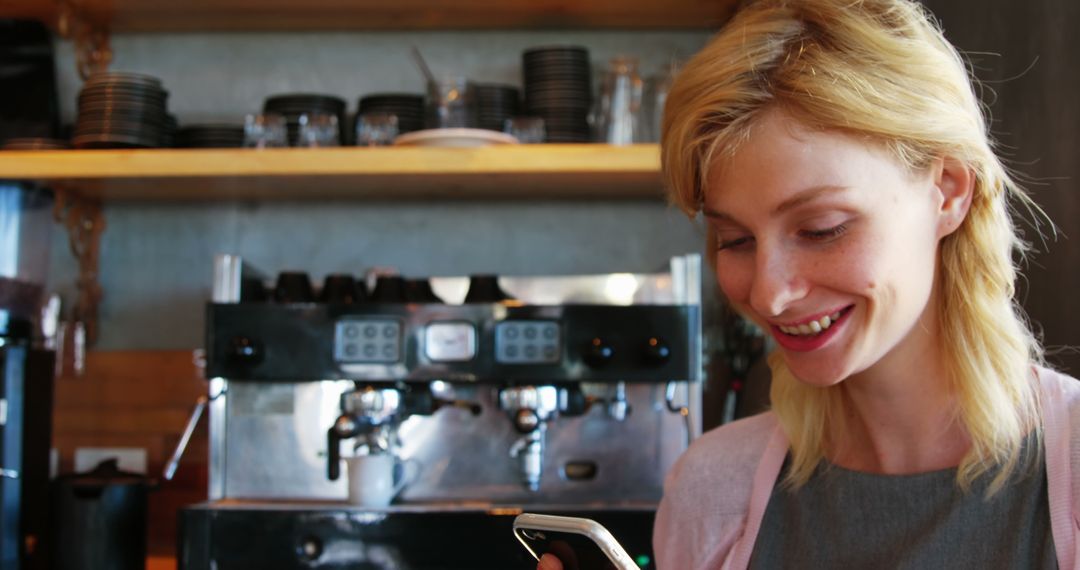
{"x": 901, "y": 414}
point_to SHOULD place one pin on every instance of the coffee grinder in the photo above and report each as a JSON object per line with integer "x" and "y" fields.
{"x": 26, "y": 375}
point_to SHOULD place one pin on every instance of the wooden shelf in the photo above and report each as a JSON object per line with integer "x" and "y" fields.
{"x": 585, "y": 171}
{"x": 294, "y": 15}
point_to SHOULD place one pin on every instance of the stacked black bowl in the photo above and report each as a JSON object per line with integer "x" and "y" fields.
{"x": 295, "y": 104}
{"x": 497, "y": 103}
{"x": 558, "y": 89}
{"x": 122, "y": 110}
{"x": 211, "y": 136}
{"x": 407, "y": 107}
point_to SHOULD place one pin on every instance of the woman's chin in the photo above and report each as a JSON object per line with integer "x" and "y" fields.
{"x": 820, "y": 377}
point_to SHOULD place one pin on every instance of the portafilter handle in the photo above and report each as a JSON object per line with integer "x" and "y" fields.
{"x": 344, "y": 427}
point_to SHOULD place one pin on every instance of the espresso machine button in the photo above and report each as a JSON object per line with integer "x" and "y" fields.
{"x": 657, "y": 352}
{"x": 245, "y": 351}
{"x": 598, "y": 353}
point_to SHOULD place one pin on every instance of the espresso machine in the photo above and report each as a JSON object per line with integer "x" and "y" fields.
{"x": 26, "y": 375}
{"x": 564, "y": 395}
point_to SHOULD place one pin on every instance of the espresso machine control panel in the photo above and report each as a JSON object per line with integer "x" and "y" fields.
{"x": 414, "y": 342}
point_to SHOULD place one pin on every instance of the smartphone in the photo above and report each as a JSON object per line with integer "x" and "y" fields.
{"x": 580, "y": 544}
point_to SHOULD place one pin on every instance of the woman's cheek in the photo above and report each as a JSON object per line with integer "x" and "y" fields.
{"x": 734, "y": 280}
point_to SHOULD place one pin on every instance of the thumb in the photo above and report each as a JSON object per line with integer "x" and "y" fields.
{"x": 549, "y": 562}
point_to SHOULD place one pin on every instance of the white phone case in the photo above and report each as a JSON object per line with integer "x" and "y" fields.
{"x": 585, "y": 527}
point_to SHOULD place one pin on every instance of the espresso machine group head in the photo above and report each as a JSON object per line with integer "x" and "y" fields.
{"x": 371, "y": 415}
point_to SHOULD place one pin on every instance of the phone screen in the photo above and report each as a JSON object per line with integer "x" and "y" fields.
{"x": 575, "y": 551}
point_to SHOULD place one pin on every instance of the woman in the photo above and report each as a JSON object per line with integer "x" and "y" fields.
{"x": 857, "y": 213}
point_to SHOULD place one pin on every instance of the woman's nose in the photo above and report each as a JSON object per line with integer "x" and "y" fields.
{"x": 776, "y": 282}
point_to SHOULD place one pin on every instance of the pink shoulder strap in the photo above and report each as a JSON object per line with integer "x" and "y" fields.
{"x": 765, "y": 476}
{"x": 1056, "y": 435}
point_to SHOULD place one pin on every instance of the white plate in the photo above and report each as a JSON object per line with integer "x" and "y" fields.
{"x": 454, "y": 138}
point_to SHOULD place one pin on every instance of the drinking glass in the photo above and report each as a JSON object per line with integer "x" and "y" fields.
{"x": 451, "y": 103}
{"x": 318, "y": 129}
{"x": 619, "y": 116}
{"x": 376, "y": 129}
{"x": 527, "y": 130}
{"x": 265, "y": 130}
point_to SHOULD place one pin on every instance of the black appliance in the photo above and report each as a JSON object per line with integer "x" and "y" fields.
{"x": 28, "y": 101}
{"x": 100, "y": 519}
{"x": 26, "y": 376}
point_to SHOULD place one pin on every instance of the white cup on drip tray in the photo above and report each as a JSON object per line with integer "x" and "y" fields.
{"x": 374, "y": 480}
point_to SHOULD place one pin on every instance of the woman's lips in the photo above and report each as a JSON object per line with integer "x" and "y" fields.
{"x": 813, "y": 341}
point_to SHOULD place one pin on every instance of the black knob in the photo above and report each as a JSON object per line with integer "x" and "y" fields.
{"x": 657, "y": 352}
{"x": 245, "y": 351}
{"x": 293, "y": 287}
{"x": 309, "y": 549}
{"x": 339, "y": 289}
{"x": 485, "y": 289}
{"x": 389, "y": 289}
{"x": 598, "y": 353}
{"x": 420, "y": 291}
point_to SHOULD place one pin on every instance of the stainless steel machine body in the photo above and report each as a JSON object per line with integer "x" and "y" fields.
{"x": 571, "y": 394}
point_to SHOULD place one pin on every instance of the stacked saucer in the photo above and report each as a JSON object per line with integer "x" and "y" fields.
{"x": 121, "y": 110}
{"x": 497, "y": 103}
{"x": 35, "y": 144}
{"x": 407, "y": 107}
{"x": 211, "y": 136}
{"x": 294, "y": 105}
{"x": 558, "y": 89}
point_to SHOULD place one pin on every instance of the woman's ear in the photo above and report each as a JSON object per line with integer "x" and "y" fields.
{"x": 956, "y": 183}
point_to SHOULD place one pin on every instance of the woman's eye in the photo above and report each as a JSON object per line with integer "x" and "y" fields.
{"x": 825, "y": 234}
{"x": 732, "y": 243}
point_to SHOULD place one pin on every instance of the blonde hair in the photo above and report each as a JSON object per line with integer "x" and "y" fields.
{"x": 882, "y": 70}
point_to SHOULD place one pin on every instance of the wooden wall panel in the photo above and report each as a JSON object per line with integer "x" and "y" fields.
{"x": 138, "y": 399}
{"x": 1025, "y": 54}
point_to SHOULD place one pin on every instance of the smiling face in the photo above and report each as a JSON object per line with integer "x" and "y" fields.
{"x": 830, "y": 244}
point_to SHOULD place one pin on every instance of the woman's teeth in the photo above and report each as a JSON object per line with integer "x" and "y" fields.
{"x": 812, "y": 327}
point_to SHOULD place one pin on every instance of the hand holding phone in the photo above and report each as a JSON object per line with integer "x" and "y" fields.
{"x": 580, "y": 544}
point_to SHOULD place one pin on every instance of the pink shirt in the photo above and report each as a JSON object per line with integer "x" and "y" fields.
{"x": 715, "y": 495}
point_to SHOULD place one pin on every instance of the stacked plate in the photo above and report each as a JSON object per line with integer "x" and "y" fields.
{"x": 294, "y": 105}
{"x": 35, "y": 144}
{"x": 407, "y": 107}
{"x": 497, "y": 104}
{"x": 121, "y": 110}
{"x": 558, "y": 88}
{"x": 211, "y": 136}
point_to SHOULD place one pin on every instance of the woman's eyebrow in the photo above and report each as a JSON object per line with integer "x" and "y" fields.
{"x": 802, "y": 197}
